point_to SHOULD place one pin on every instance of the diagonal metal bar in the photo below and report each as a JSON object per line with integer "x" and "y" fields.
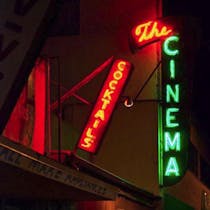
{"x": 83, "y": 100}
{"x": 74, "y": 94}
{"x": 82, "y": 83}
{"x": 150, "y": 76}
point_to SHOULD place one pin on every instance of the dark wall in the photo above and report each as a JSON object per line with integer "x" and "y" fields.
{"x": 201, "y": 71}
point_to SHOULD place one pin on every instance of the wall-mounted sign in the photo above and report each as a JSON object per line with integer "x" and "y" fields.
{"x": 104, "y": 106}
{"x": 149, "y": 32}
{"x": 23, "y": 27}
{"x": 174, "y": 125}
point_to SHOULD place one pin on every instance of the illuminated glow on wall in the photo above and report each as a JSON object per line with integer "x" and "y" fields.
{"x": 174, "y": 126}
{"x": 149, "y": 32}
{"x": 38, "y": 143}
{"x": 26, "y": 124}
{"x": 104, "y": 106}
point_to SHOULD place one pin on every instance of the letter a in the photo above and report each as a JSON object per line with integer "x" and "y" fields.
{"x": 172, "y": 167}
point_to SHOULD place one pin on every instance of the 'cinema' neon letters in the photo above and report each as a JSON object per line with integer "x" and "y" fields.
{"x": 104, "y": 106}
{"x": 173, "y": 134}
{"x": 172, "y": 140}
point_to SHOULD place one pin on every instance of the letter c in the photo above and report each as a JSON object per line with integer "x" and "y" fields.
{"x": 167, "y": 49}
{"x": 121, "y": 65}
{"x": 112, "y": 84}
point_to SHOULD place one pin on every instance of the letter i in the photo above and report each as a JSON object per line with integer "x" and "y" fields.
{"x": 172, "y": 69}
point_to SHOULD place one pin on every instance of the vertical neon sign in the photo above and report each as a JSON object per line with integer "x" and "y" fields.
{"x": 104, "y": 106}
{"x": 174, "y": 129}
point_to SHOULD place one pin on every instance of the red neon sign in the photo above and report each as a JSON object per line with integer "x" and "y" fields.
{"x": 149, "y": 32}
{"x": 104, "y": 106}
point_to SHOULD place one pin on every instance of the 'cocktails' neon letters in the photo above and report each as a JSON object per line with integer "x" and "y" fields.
{"x": 104, "y": 106}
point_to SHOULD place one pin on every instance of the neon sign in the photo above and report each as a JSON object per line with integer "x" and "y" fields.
{"x": 104, "y": 106}
{"x": 174, "y": 118}
{"x": 149, "y": 32}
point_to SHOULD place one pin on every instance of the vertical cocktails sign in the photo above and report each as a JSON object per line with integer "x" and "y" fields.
{"x": 104, "y": 106}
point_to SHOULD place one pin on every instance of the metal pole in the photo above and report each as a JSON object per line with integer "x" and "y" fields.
{"x": 59, "y": 110}
{"x": 48, "y": 145}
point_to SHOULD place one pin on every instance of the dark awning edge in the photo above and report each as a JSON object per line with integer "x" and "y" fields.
{"x": 26, "y": 159}
{"x": 137, "y": 195}
{"x": 42, "y": 167}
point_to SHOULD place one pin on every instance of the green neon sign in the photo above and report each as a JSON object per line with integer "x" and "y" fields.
{"x": 173, "y": 117}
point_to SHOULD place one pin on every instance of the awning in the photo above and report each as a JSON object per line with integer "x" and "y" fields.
{"x": 26, "y": 174}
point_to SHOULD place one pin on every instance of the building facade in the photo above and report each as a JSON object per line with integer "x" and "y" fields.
{"x": 149, "y": 154}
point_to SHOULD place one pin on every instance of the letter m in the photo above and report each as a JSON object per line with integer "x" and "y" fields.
{"x": 172, "y": 142}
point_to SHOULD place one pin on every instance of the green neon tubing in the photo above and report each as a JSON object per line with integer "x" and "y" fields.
{"x": 172, "y": 69}
{"x": 172, "y": 168}
{"x": 170, "y": 117}
{"x": 172, "y": 143}
{"x": 160, "y": 145}
{"x": 166, "y": 47}
{"x": 172, "y": 94}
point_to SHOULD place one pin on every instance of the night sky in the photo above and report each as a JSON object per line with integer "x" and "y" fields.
{"x": 201, "y": 72}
